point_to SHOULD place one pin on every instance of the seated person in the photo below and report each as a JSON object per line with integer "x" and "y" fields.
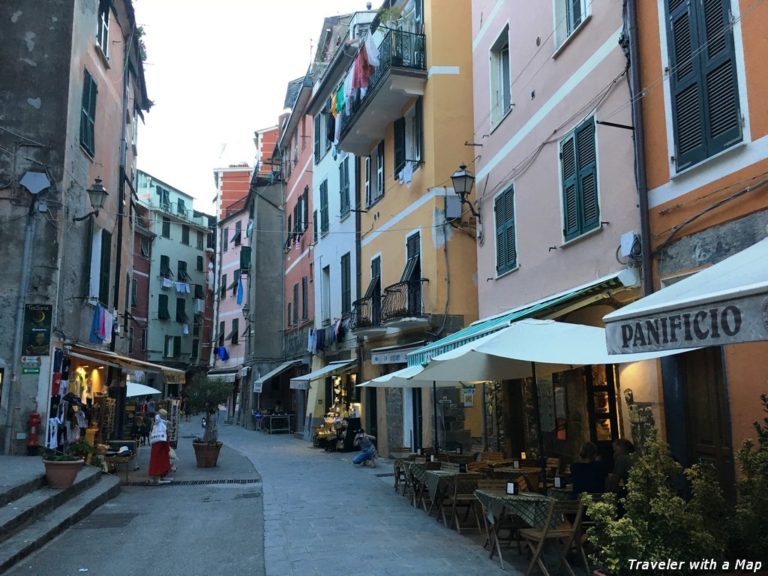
{"x": 622, "y": 462}
{"x": 589, "y": 474}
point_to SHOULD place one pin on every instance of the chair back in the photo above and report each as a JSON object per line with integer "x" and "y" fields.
{"x": 466, "y": 483}
{"x": 522, "y": 483}
{"x": 553, "y": 467}
{"x": 564, "y": 514}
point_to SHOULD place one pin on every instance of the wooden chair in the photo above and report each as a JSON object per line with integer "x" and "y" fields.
{"x": 461, "y": 499}
{"x": 491, "y": 456}
{"x": 563, "y": 526}
{"x": 504, "y": 530}
{"x": 451, "y": 467}
{"x": 420, "y": 491}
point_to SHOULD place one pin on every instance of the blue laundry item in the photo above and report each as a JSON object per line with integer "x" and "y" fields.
{"x": 223, "y": 354}
{"x": 95, "y": 335}
{"x": 240, "y": 290}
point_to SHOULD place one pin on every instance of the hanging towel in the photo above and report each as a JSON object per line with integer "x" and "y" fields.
{"x": 340, "y": 98}
{"x": 167, "y": 282}
{"x": 407, "y": 173}
{"x": 240, "y": 290}
{"x": 108, "y": 325}
{"x": 94, "y": 336}
{"x": 185, "y": 329}
{"x": 372, "y": 50}
{"x": 348, "y": 90}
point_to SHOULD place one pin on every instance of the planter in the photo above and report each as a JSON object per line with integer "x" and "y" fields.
{"x": 62, "y": 473}
{"x": 206, "y": 454}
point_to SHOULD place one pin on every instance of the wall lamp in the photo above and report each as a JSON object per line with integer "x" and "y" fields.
{"x": 462, "y": 185}
{"x": 97, "y": 194}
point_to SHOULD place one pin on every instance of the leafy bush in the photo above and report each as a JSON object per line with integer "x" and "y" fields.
{"x": 205, "y": 395}
{"x": 657, "y": 521}
{"x": 71, "y": 452}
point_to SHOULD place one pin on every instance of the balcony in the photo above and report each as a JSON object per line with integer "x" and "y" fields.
{"x": 403, "y": 305}
{"x": 366, "y": 317}
{"x": 398, "y": 80}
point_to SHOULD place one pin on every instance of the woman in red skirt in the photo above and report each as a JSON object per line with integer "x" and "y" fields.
{"x": 159, "y": 460}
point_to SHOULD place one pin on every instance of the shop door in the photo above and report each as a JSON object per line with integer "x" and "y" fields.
{"x": 706, "y": 413}
{"x": 371, "y": 413}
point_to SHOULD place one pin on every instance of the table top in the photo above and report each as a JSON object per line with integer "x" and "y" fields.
{"x": 531, "y": 507}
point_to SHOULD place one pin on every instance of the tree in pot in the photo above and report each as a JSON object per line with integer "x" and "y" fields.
{"x": 205, "y": 395}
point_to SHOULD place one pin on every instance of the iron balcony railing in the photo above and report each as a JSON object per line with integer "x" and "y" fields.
{"x": 403, "y": 300}
{"x": 366, "y": 312}
{"x": 397, "y": 49}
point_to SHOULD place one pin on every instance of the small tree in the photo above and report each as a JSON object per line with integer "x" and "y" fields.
{"x": 204, "y": 395}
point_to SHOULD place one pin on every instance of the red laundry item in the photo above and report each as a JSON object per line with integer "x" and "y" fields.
{"x": 362, "y": 70}
{"x": 55, "y": 383}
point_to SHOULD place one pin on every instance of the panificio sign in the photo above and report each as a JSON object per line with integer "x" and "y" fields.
{"x": 716, "y": 324}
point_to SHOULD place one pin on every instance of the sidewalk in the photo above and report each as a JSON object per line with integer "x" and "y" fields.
{"x": 324, "y": 515}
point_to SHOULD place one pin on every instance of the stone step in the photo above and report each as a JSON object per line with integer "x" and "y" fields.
{"x": 32, "y": 520}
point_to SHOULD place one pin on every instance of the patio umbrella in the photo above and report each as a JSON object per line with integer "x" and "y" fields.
{"x": 136, "y": 389}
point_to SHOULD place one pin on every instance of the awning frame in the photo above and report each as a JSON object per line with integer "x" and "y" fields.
{"x": 303, "y": 382}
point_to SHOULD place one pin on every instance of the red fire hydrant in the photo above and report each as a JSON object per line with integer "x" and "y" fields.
{"x": 33, "y": 425}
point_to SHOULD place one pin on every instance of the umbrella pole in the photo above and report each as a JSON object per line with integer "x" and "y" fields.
{"x": 434, "y": 415}
{"x": 542, "y": 460}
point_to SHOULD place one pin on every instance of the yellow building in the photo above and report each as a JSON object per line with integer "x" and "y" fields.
{"x": 405, "y": 111}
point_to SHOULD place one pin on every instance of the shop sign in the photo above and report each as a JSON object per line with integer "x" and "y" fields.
{"x": 37, "y": 329}
{"x": 30, "y": 364}
{"x": 717, "y": 324}
{"x": 257, "y": 384}
{"x": 392, "y": 356}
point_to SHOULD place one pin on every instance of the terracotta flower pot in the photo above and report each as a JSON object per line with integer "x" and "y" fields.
{"x": 62, "y": 473}
{"x": 206, "y": 454}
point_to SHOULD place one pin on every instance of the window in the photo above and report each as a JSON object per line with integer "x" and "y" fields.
{"x": 569, "y": 14}
{"x": 326, "y": 308}
{"x": 144, "y": 339}
{"x": 238, "y": 233}
{"x": 578, "y": 161}
{"x": 412, "y": 270}
{"x": 373, "y": 292}
{"x": 234, "y": 336}
{"x": 88, "y": 114}
{"x": 296, "y": 303}
{"x": 318, "y": 137}
{"x": 165, "y": 198}
{"x": 374, "y": 189}
{"x": 304, "y": 298}
{"x": 235, "y": 282}
{"x": 344, "y": 187}
{"x": 346, "y": 285}
{"x": 165, "y": 267}
{"x": 166, "y": 233}
{"x": 200, "y": 241}
{"x": 314, "y": 226}
{"x": 195, "y": 346}
{"x": 225, "y": 240}
{"x": 199, "y": 293}
{"x": 223, "y": 287}
{"x": 416, "y": 143}
{"x": 221, "y": 333}
{"x": 501, "y": 98}
{"x": 134, "y": 293}
{"x": 181, "y": 311}
{"x": 290, "y": 314}
{"x": 305, "y": 209}
{"x": 185, "y": 234}
{"x": 104, "y": 268}
{"x": 289, "y": 239}
{"x": 102, "y": 29}
{"x": 200, "y": 264}
{"x": 196, "y": 328}
{"x": 705, "y": 95}
{"x": 181, "y": 208}
{"x": 399, "y": 144}
{"x": 324, "y": 223}
{"x": 145, "y": 251}
{"x": 162, "y": 307}
{"x": 504, "y": 212}
{"x": 408, "y": 139}
{"x": 172, "y": 346}
{"x": 183, "y": 276}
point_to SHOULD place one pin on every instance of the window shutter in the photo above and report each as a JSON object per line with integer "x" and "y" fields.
{"x": 590, "y": 209}
{"x": 245, "y": 259}
{"x": 314, "y": 225}
{"x": 162, "y": 307}
{"x": 501, "y": 245}
{"x": 317, "y": 138}
{"x": 368, "y": 197}
{"x": 305, "y": 208}
{"x": 570, "y": 197}
{"x": 418, "y": 120}
{"x": 719, "y": 67}
{"x": 399, "y": 145}
{"x": 504, "y": 212}
{"x": 176, "y": 346}
{"x": 324, "y": 223}
{"x": 104, "y": 269}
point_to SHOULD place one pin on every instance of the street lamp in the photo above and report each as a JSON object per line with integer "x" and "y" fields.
{"x": 97, "y": 194}
{"x": 462, "y": 185}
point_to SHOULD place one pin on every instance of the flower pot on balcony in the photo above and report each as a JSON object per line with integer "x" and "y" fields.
{"x": 206, "y": 453}
{"x": 62, "y": 473}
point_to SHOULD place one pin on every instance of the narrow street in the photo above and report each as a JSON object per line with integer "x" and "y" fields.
{"x": 273, "y": 506}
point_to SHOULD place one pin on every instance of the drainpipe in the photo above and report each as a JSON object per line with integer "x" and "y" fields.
{"x": 635, "y": 92}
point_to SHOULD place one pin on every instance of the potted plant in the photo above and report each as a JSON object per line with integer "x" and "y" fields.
{"x": 205, "y": 395}
{"x": 62, "y": 466}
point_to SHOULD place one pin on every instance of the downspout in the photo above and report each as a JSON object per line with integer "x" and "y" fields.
{"x": 635, "y": 93}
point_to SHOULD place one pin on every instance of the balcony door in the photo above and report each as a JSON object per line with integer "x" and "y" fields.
{"x": 375, "y": 291}
{"x": 412, "y": 273}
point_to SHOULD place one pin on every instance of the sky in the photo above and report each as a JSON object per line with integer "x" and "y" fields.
{"x": 217, "y": 70}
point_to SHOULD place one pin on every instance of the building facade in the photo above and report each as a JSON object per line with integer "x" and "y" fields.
{"x": 73, "y": 98}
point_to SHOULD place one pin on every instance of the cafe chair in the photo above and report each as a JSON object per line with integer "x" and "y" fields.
{"x": 460, "y": 503}
{"x": 563, "y": 526}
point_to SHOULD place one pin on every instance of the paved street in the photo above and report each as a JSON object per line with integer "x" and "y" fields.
{"x": 318, "y": 515}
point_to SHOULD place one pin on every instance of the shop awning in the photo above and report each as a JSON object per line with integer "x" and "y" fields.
{"x": 511, "y": 353}
{"x": 404, "y": 378}
{"x": 489, "y": 325}
{"x": 223, "y": 375}
{"x": 170, "y": 375}
{"x": 394, "y": 354}
{"x": 302, "y": 382}
{"x": 259, "y": 382}
{"x": 726, "y": 303}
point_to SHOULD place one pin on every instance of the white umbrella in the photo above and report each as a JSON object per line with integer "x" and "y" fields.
{"x": 136, "y": 389}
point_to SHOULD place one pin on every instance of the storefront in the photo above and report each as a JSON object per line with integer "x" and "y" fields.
{"x": 272, "y": 392}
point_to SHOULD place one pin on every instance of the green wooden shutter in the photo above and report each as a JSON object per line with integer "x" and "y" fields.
{"x": 176, "y": 346}
{"x": 104, "y": 269}
{"x": 305, "y": 209}
{"x": 719, "y": 68}
{"x": 587, "y": 177}
{"x": 314, "y": 226}
{"x": 317, "y": 139}
{"x": 324, "y": 222}
{"x": 418, "y": 120}
{"x": 501, "y": 245}
{"x": 245, "y": 259}
{"x": 399, "y": 139}
{"x": 504, "y": 212}
{"x": 570, "y": 193}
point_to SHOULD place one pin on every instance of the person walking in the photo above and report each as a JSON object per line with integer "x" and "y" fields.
{"x": 159, "y": 460}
